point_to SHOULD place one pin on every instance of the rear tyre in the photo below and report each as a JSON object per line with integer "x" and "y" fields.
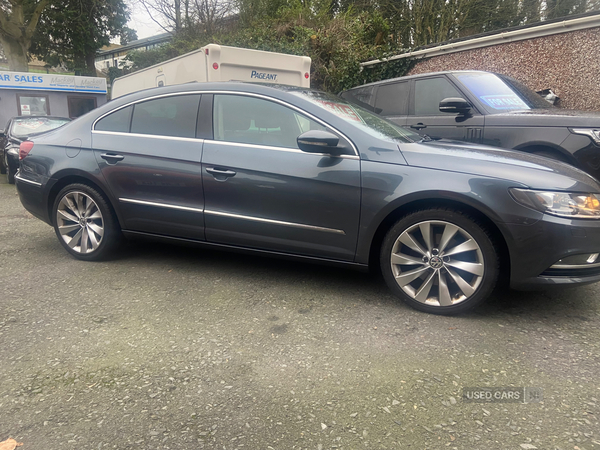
{"x": 440, "y": 261}
{"x": 3, "y": 164}
{"x": 84, "y": 223}
{"x": 10, "y": 174}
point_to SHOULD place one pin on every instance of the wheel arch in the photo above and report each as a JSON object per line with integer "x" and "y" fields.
{"x": 441, "y": 202}
{"x": 65, "y": 179}
{"x": 536, "y": 146}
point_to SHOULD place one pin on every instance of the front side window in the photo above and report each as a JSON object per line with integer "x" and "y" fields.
{"x": 167, "y": 116}
{"x": 249, "y": 120}
{"x": 33, "y": 105}
{"x": 430, "y": 92}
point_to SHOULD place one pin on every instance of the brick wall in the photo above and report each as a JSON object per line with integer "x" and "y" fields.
{"x": 567, "y": 63}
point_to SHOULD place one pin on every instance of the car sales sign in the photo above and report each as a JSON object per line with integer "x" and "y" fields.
{"x": 52, "y": 82}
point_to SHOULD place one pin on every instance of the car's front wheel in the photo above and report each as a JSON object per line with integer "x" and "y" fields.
{"x": 84, "y": 222}
{"x": 440, "y": 261}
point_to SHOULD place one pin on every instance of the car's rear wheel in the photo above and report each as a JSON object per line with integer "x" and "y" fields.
{"x": 84, "y": 222}
{"x": 3, "y": 164}
{"x": 440, "y": 261}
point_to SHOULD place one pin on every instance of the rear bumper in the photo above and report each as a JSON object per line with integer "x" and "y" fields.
{"x": 535, "y": 248}
{"x": 31, "y": 194}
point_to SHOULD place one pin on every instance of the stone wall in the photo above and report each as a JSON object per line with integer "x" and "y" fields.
{"x": 567, "y": 63}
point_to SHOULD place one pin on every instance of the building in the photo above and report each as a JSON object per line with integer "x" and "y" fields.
{"x": 114, "y": 54}
{"x": 28, "y": 94}
{"x": 560, "y": 54}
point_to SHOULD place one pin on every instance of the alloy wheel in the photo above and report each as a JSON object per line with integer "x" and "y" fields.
{"x": 437, "y": 263}
{"x": 80, "y": 222}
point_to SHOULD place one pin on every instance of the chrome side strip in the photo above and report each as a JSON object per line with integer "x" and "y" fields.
{"x": 160, "y": 205}
{"x": 281, "y": 149}
{"x": 25, "y": 180}
{"x": 276, "y": 222}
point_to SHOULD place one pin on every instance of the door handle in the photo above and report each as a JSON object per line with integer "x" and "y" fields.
{"x": 220, "y": 172}
{"x": 418, "y": 126}
{"x": 112, "y": 158}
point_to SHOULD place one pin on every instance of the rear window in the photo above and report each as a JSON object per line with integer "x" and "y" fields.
{"x": 35, "y": 125}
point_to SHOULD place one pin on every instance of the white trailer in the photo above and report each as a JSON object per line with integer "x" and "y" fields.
{"x": 219, "y": 63}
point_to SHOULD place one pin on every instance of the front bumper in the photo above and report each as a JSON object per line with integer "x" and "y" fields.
{"x": 535, "y": 248}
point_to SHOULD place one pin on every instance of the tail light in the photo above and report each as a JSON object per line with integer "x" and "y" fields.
{"x": 306, "y": 75}
{"x": 215, "y": 66}
{"x": 25, "y": 148}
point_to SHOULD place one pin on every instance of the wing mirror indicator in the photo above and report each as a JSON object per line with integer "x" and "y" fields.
{"x": 455, "y": 105}
{"x": 317, "y": 141}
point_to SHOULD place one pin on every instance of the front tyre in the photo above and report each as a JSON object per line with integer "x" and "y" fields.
{"x": 84, "y": 222}
{"x": 440, "y": 261}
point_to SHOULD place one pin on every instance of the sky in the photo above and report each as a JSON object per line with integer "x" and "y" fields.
{"x": 141, "y": 22}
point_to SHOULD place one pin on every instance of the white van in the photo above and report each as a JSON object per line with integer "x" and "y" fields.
{"x": 219, "y": 63}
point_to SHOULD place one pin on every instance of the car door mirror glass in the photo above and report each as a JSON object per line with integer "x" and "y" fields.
{"x": 455, "y": 105}
{"x": 317, "y": 141}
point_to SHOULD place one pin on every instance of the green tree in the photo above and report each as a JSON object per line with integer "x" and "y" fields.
{"x": 72, "y": 31}
{"x": 18, "y": 22}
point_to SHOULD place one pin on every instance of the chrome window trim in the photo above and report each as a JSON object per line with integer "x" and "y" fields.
{"x": 248, "y": 94}
{"x": 276, "y": 222}
{"x": 151, "y": 136}
{"x": 25, "y": 180}
{"x": 160, "y": 205}
{"x": 280, "y": 149}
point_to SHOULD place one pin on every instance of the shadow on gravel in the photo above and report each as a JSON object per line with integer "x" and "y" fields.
{"x": 558, "y": 305}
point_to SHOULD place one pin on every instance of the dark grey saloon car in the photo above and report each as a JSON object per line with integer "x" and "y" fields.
{"x": 302, "y": 174}
{"x": 485, "y": 108}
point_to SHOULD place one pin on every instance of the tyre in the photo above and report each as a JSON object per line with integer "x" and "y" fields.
{"x": 84, "y": 222}
{"x": 440, "y": 261}
{"x": 3, "y": 164}
{"x": 10, "y": 174}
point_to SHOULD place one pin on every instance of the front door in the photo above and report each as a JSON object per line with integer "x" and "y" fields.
{"x": 262, "y": 192}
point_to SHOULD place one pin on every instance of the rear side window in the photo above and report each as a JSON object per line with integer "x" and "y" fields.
{"x": 430, "y": 92}
{"x": 167, "y": 116}
{"x": 392, "y": 99}
{"x": 118, "y": 121}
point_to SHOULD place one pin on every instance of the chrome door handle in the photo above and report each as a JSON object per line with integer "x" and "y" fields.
{"x": 418, "y": 126}
{"x": 111, "y": 158}
{"x": 220, "y": 172}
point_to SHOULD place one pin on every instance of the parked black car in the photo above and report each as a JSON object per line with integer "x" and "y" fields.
{"x": 302, "y": 174}
{"x": 487, "y": 108}
{"x": 19, "y": 129}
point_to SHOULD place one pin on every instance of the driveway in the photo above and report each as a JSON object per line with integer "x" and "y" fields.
{"x": 182, "y": 348}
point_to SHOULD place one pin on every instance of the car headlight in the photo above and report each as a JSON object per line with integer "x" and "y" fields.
{"x": 563, "y": 204}
{"x": 593, "y": 134}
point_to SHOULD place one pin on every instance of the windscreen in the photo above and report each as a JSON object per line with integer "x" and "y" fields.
{"x": 499, "y": 93}
{"x": 374, "y": 125}
{"x": 33, "y": 125}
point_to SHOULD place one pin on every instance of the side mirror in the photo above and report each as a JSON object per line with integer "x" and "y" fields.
{"x": 455, "y": 105}
{"x": 317, "y": 141}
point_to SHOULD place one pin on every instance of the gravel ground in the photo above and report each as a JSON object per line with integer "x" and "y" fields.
{"x": 179, "y": 348}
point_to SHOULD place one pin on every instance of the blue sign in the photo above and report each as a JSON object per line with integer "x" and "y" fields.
{"x": 52, "y": 82}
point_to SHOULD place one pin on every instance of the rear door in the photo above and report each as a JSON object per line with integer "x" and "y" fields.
{"x": 391, "y": 101}
{"x": 150, "y": 157}
{"x": 263, "y": 192}
{"x": 425, "y": 116}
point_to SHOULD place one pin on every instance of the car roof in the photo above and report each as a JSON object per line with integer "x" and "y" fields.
{"x": 419, "y": 75}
